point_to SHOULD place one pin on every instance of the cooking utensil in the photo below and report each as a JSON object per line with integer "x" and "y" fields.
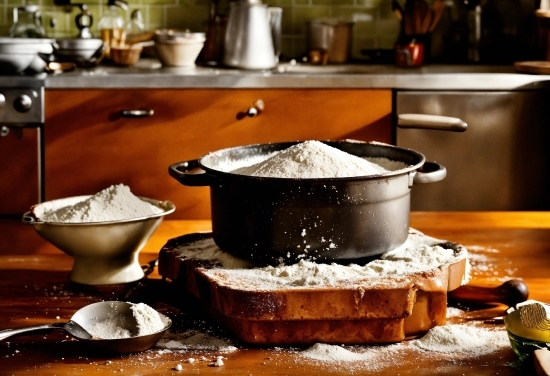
{"x": 81, "y": 323}
{"x": 333, "y": 219}
{"x": 83, "y": 52}
{"x": 533, "y": 67}
{"x": 510, "y": 293}
{"x": 104, "y": 253}
{"x": 332, "y": 36}
{"x": 24, "y": 54}
{"x": 249, "y": 37}
{"x": 397, "y": 10}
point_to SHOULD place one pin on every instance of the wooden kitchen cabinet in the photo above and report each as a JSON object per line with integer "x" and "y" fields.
{"x": 20, "y": 180}
{"x": 89, "y": 146}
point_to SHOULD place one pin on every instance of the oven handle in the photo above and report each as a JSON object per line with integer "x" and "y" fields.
{"x": 435, "y": 122}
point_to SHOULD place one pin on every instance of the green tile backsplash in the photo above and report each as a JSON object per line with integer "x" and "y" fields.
{"x": 375, "y": 25}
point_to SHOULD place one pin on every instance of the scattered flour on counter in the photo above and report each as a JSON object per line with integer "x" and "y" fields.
{"x": 461, "y": 341}
{"x": 457, "y": 338}
{"x": 314, "y": 160}
{"x": 148, "y": 320}
{"x": 207, "y": 249}
{"x": 332, "y": 353}
{"x": 195, "y": 340}
{"x": 454, "y": 312}
{"x": 111, "y": 204}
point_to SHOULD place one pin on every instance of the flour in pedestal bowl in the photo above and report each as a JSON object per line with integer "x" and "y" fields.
{"x": 316, "y": 160}
{"x": 111, "y": 204}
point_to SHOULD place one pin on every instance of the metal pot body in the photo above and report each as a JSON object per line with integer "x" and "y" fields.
{"x": 332, "y": 36}
{"x": 276, "y": 219}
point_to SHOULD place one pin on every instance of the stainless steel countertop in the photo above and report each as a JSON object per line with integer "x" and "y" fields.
{"x": 149, "y": 73}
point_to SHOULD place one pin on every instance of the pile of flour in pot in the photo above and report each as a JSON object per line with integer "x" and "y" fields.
{"x": 148, "y": 320}
{"x": 315, "y": 160}
{"x": 111, "y": 204}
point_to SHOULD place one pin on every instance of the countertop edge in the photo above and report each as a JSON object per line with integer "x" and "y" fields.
{"x": 369, "y": 77}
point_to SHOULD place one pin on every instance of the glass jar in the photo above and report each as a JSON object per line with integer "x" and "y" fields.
{"x": 111, "y": 28}
{"x": 27, "y": 22}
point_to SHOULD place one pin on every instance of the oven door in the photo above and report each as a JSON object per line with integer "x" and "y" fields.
{"x": 20, "y": 175}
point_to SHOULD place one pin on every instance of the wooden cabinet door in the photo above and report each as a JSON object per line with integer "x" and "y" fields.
{"x": 89, "y": 146}
{"x": 19, "y": 171}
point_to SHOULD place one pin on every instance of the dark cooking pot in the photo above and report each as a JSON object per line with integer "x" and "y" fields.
{"x": 327, "y": 219}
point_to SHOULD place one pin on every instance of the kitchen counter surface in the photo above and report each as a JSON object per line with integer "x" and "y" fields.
{"x": 35, "y": 290}
{"x": 148, "y": 73}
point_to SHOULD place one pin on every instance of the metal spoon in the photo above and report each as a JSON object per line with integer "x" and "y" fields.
{"x": 81, "y": 323}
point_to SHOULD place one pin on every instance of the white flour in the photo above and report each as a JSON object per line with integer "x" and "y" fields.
{"x": 208, "y": 250}
{"x": 148, "y": 320}
{"x": 195, "y": 340}
{"x": 462, "y": 339}
{"x": 111, "y": 204}
{"x": 451, "y": 341}
{"x": 333, "y": 353}
{"x": 417, "y": 254}
{"x": 314, "y": 160}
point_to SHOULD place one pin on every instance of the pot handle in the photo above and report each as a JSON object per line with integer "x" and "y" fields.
{"x": 430, "y": 172}
{"x": 29, "y": 218}
{"x": 181, "y": 171}
{"x": 424, "y": 121}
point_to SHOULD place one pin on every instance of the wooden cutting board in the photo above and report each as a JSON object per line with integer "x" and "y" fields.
{"x": 381, "y": 310}
{"x": 533, "y": 67}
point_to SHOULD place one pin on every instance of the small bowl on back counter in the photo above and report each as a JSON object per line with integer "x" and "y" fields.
{"x": 83, "y": 52}
{"x": 127, "y": 54}
{"x": 105, "y": 253}
{"x": 177, "y": 48}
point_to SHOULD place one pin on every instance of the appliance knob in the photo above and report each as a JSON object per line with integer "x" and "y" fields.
{"x": 23, "y": 103}
{"x": 2, "y": 100}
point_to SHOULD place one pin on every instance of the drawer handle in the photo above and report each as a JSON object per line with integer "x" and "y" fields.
{"x": 256, "y": 108}
{"x": 423, "y": 121}
{"x": 132, "y": 114}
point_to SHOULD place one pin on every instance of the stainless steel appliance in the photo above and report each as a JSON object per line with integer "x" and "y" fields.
{"x": 21, "y": 143}
{"x": 252, "y": 35}
{"x": 502, "y": 160}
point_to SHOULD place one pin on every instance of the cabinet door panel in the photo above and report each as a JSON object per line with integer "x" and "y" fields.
{"x": 90, "y": 146}
{"x": 19, "y": 171}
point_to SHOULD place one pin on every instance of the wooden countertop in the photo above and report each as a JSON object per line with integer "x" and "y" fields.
{"x": 34, "y": 289}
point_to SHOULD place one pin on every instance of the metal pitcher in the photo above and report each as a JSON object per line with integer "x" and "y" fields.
{"x": 252, "y": 38}
{"x": 27, "y": 22}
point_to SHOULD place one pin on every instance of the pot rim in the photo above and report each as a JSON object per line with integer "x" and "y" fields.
{"x": 391, "y": 174}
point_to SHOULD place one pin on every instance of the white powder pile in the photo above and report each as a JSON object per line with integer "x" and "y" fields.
{"x": 195, "y": 340}
{"x": 333, "y": 353}
{"x": 148, "y": 321}
{"x": 112, "y": 328}
{"x": 313, "y": 160}
{"x": 416, "y": 255}
{"x": 445, "y": 342}
{"x": 454, "y": 339}
{"x": 111, "y": 204}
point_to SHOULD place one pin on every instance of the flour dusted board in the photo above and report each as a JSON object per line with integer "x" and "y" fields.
{"x": 378, "y": 311}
